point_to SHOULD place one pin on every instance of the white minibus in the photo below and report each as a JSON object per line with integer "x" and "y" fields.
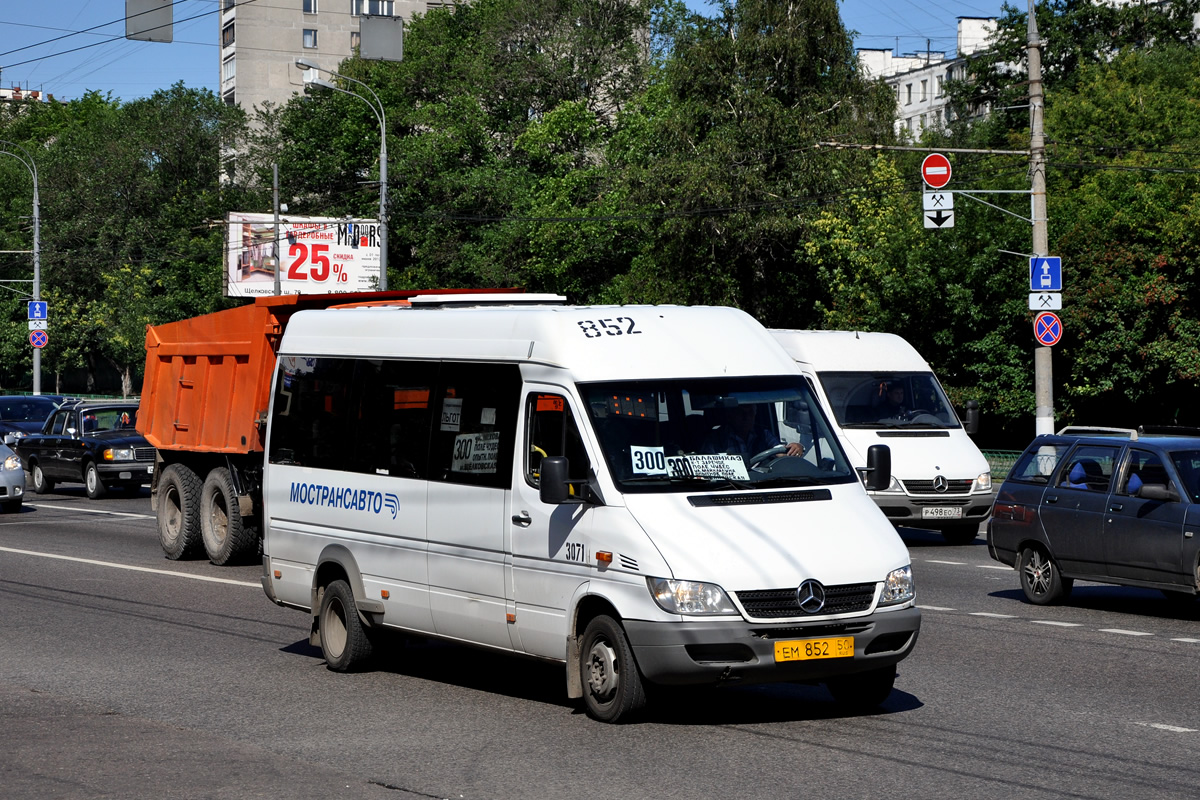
{"x": 877, "y": 389}
{"x": 601, "y": 487}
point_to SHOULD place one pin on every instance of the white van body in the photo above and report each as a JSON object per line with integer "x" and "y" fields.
{"x": 940, "y": 478}
{"x": 405, "y": 452}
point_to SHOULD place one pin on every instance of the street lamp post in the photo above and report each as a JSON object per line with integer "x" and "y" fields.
{"x": 377, "y": 108}
{"x": 37, "y": 258}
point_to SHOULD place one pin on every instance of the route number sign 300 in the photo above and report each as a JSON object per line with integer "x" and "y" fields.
{"x": 321, "y": 268}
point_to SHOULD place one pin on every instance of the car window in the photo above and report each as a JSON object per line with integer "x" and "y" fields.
{"x": 1037, "y": 464}
{"x": 1144, "y": 467}
{"x": 1088, "y": 467}
{"x": 60, "y": 422}
{"x": 1187, "y": 464}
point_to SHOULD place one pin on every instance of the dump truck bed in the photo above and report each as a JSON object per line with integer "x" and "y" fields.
{"x": 208, "y": 379}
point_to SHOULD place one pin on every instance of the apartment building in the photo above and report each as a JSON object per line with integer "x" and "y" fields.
{"x": 261, "y": 40}
{"x": 919, "y": 79}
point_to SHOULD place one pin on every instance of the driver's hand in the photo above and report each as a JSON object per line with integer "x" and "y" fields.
{"x": 794, "y": 449}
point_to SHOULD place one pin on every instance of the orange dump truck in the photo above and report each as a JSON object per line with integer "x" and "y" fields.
{"x": 205, "y": 397}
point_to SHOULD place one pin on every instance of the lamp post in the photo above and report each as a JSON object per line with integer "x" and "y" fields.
{"x": 37, "y": 258}
{"x": 377, "y": 108}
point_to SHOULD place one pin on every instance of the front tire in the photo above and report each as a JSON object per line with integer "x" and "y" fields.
{"x": 41, "y": 484}
{"x": 863, "y": 691}
{"x": 1041, "y": 581}
{"x": 226, "y": 537}
{"x": 612, "y": 685}
{"x": 91, "y": 479}
{"x": 179, "y": 512}
{"x": 344, "y": 640}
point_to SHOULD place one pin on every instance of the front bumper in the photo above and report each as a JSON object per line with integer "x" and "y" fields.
{"x": 722, "y": 651}
{"x": 909, "y": 510}
{"x": 12, "y": 485}
{"x": 125, "y": 471}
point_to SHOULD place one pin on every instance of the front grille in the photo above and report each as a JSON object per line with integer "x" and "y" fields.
{"x": 776, "y": 603}
{"x": 143, "y": 454}
{"x": 952, "y": 487}
{"x": 759, "y": 498}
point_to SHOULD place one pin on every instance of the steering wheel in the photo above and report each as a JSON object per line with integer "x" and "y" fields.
{"x": 768, "y": 453}
{"x": 916, "y": 412}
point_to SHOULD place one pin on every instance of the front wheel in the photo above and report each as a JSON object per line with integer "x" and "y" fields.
{"x": 91, "y": 479}
{"x": 344, "y": 640}
{"x": 41, "y": 484}
{"x": 612, "y": 686}
{"x": 863, "y": 691}
{"x": 1041, "y": 581}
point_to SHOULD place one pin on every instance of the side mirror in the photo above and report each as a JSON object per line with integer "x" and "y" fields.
{"x": 553, "y": 488}
{"x": 971, "y": 423}
{"x": 1157, "y": 491}
{"x": 10, "y": 439}
{"x": 879, "y": 467}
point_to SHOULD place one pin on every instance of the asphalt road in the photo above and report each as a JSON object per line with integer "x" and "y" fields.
{"x": 124, "y": 675}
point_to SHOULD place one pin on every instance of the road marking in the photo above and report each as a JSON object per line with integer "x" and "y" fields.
{"x": 130, "y": 567}
{"x": 1125, "y": 633}
{"x": 997, "y": 616}
{"x": 995, "y": 566}
{"x": 51, "y": 507}
{"x": 936, "y": 608}
{"x": 1058, "y": 624}
{"x": 1160, "y": 726}
{"x": 1185, "y": 639}
{"x": 955, "y": 563}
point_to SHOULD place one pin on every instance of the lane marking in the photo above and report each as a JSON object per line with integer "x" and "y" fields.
{"x": 936, "y": 608}
{"x": 996, "y": 566}
{"x": 50, "y": 507}
{"x": 1056, "y": 623}
{"x": 1185, "y": 639}
{"x": 996, "y": 616}
{"x": 955, "y": 563}
{"x": 130, "y": 567}
{"x": 1125, "y": 633}
{"x": 1163, "y": 727}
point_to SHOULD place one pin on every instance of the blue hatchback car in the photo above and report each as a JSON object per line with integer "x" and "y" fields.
{"x": 1117, "y": 507}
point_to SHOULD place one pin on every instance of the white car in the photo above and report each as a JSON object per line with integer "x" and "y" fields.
{"x": 12, "y": 480}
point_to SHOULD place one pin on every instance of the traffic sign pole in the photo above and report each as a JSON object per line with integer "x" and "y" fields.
{"x": 1043, "y": 369}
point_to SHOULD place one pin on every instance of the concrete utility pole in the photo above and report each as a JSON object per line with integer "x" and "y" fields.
{"x": 1042, "y": 364}
{"x": 37, "y": 249}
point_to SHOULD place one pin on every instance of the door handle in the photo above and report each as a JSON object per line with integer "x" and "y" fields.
{"x": 1116, "y": 507}
{"x": 523, "y": 519}
{"x": 1052, "y": 498}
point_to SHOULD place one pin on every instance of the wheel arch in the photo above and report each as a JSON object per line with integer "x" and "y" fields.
{"x": 337, "y": 562}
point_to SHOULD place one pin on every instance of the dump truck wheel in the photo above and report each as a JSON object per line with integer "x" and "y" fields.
{"x": 179, "y": 512}
{"x": 227, "y": 538}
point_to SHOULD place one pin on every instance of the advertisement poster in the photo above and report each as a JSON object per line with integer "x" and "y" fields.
{"x": 317, "y": 255}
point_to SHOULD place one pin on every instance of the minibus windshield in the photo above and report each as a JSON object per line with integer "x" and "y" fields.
{"x": 888, "y": 400}
{"x": 714, "y": 433}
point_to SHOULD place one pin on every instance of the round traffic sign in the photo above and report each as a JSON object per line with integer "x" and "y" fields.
{"x": 39, "y": 338}
{"x": 935, "y": 170}
{"x": 1047, "y": 328}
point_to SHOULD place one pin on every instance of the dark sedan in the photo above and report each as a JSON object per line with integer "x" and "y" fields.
{"x": 1101, "y": 508}
{"x": 93, "y": 443}
{"x": 21, "y": 415}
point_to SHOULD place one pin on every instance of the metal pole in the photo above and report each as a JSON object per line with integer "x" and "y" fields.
{"x": 275, "y": 180}
{"x": 37, "y": 250}
{"x": 1043, "y": 365}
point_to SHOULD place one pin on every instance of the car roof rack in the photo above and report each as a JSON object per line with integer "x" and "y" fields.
{"x": 1097, "y": 430}
{"x": 1168, "y": 430}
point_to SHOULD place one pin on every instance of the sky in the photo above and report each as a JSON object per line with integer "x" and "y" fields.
{"x": 73, "y": 46}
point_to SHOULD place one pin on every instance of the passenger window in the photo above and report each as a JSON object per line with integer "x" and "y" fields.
{"x": 310, "y": 426}
{"x": 391, "y": 425}
{"x": 1144, "y": 467}
{"x": 1089, "y": 467}
{"x": 1036, "y": 466}
{"x": 60, "y": 422}
{"x": 551, "y": 430}
{"x": 474, "y": 421}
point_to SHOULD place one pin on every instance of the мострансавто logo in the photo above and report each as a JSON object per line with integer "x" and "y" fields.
{"x": 317, "y": 494}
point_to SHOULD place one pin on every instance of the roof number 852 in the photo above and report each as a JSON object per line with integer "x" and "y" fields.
{"x": 615, "y": 326}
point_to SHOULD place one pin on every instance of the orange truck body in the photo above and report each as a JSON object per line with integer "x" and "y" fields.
{"x": 208, "y": 379}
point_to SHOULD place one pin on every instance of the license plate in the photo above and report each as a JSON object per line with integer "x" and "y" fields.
{"x": 941, "y": 512}
{"x": 808, "y": 649}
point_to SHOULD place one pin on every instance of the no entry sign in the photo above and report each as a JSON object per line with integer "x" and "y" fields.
{"x": 935, "y": 170}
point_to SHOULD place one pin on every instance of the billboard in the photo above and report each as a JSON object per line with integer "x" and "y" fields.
{"x": 317, "y": 255}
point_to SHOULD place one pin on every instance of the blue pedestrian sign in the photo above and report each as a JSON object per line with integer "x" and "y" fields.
{"x": 38, "y": 310}
{"x": 1045, "y": 274}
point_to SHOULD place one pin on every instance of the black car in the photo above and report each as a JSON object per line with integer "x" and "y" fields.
{"x": 93, "y": 443}
{"x": 1113, "y": 507}
{"x": 21, "y": 415}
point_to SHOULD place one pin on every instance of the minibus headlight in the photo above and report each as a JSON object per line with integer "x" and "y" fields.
{"x": 690, "y": 597}
{"x": 12, "y": 462}
{"x": 118, "y": 454}
{"x": 898, "y": 587}
{"x": 983, "y": 483}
